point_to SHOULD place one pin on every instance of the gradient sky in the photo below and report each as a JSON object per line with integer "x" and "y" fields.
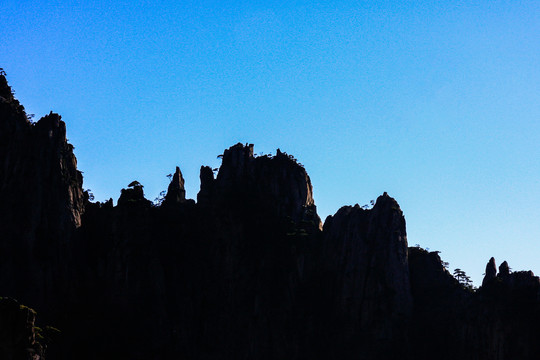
{"x": 437, "y": 103}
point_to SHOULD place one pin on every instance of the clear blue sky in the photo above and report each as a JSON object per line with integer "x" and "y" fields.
{"x": 437, "y": 103}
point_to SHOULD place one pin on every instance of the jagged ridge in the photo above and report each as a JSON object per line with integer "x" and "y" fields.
{"x": 246, "y": 272}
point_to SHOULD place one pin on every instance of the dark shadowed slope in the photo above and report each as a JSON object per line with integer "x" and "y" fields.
{"x": 246, "y": 272}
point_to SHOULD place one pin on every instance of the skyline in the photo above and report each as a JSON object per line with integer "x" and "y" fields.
{"x": 436, "y": 104}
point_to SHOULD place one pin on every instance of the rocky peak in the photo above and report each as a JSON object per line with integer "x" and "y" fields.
{"x": 176, "y": 192}
{"x": 133, "y": 195}
{"x": 238, "y": 154}
{"x": 6, "y": 94}
{"x": 278, "y": 183}
{"x": 504, "y": 269}
{"x": 51, "y": 199}
{"x": 515, "y": 282}
{"x": 52, "y": 128}
{"x": 207, "y": 192}
{"x": 389, "y": 207}
{"x": 235, "y": 168}
{"x": 491, "y": 271}
{"x": 369, "y": 260}
{"x": 14, "y": 123}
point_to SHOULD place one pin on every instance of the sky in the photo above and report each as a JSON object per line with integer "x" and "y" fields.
{"x": 435, "y": 102}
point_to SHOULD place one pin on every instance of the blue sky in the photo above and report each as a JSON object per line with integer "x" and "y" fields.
{"x": 437, "y": 103}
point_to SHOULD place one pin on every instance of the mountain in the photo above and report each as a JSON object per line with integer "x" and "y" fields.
{"x": 248, "y": 271}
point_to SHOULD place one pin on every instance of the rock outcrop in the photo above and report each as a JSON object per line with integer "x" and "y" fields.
{"x": 504, "y": 269}
{"x": 207, "y": 192}
{"x": 176, "y": 193}
{"x": 491, "y": 271}
{"x": 41, "y": 202}
{"x": 133, "y": 195}
{"x": 367, "y": 251}
{"x": 498, "y": 321}
{"x": 509, "y": 314}
{"x": 439, "y": 323}
{"x": 276, "y": 182}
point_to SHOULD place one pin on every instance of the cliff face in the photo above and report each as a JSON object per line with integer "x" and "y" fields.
{"x": 41, "y": 200}
{"x": 226, "y": 277}
{"x": 278, "y": 183}
{"x": 508, "y": 321}
{"x": 20, "y": 338}
{"x": 371, "y": 290}
{"x": 440, "y": 324}
{"x": 247, "y": 271}
{"x": 38, "y": 166}
{"x": 255, "y": 281}
{"x": 498, "y": 321}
